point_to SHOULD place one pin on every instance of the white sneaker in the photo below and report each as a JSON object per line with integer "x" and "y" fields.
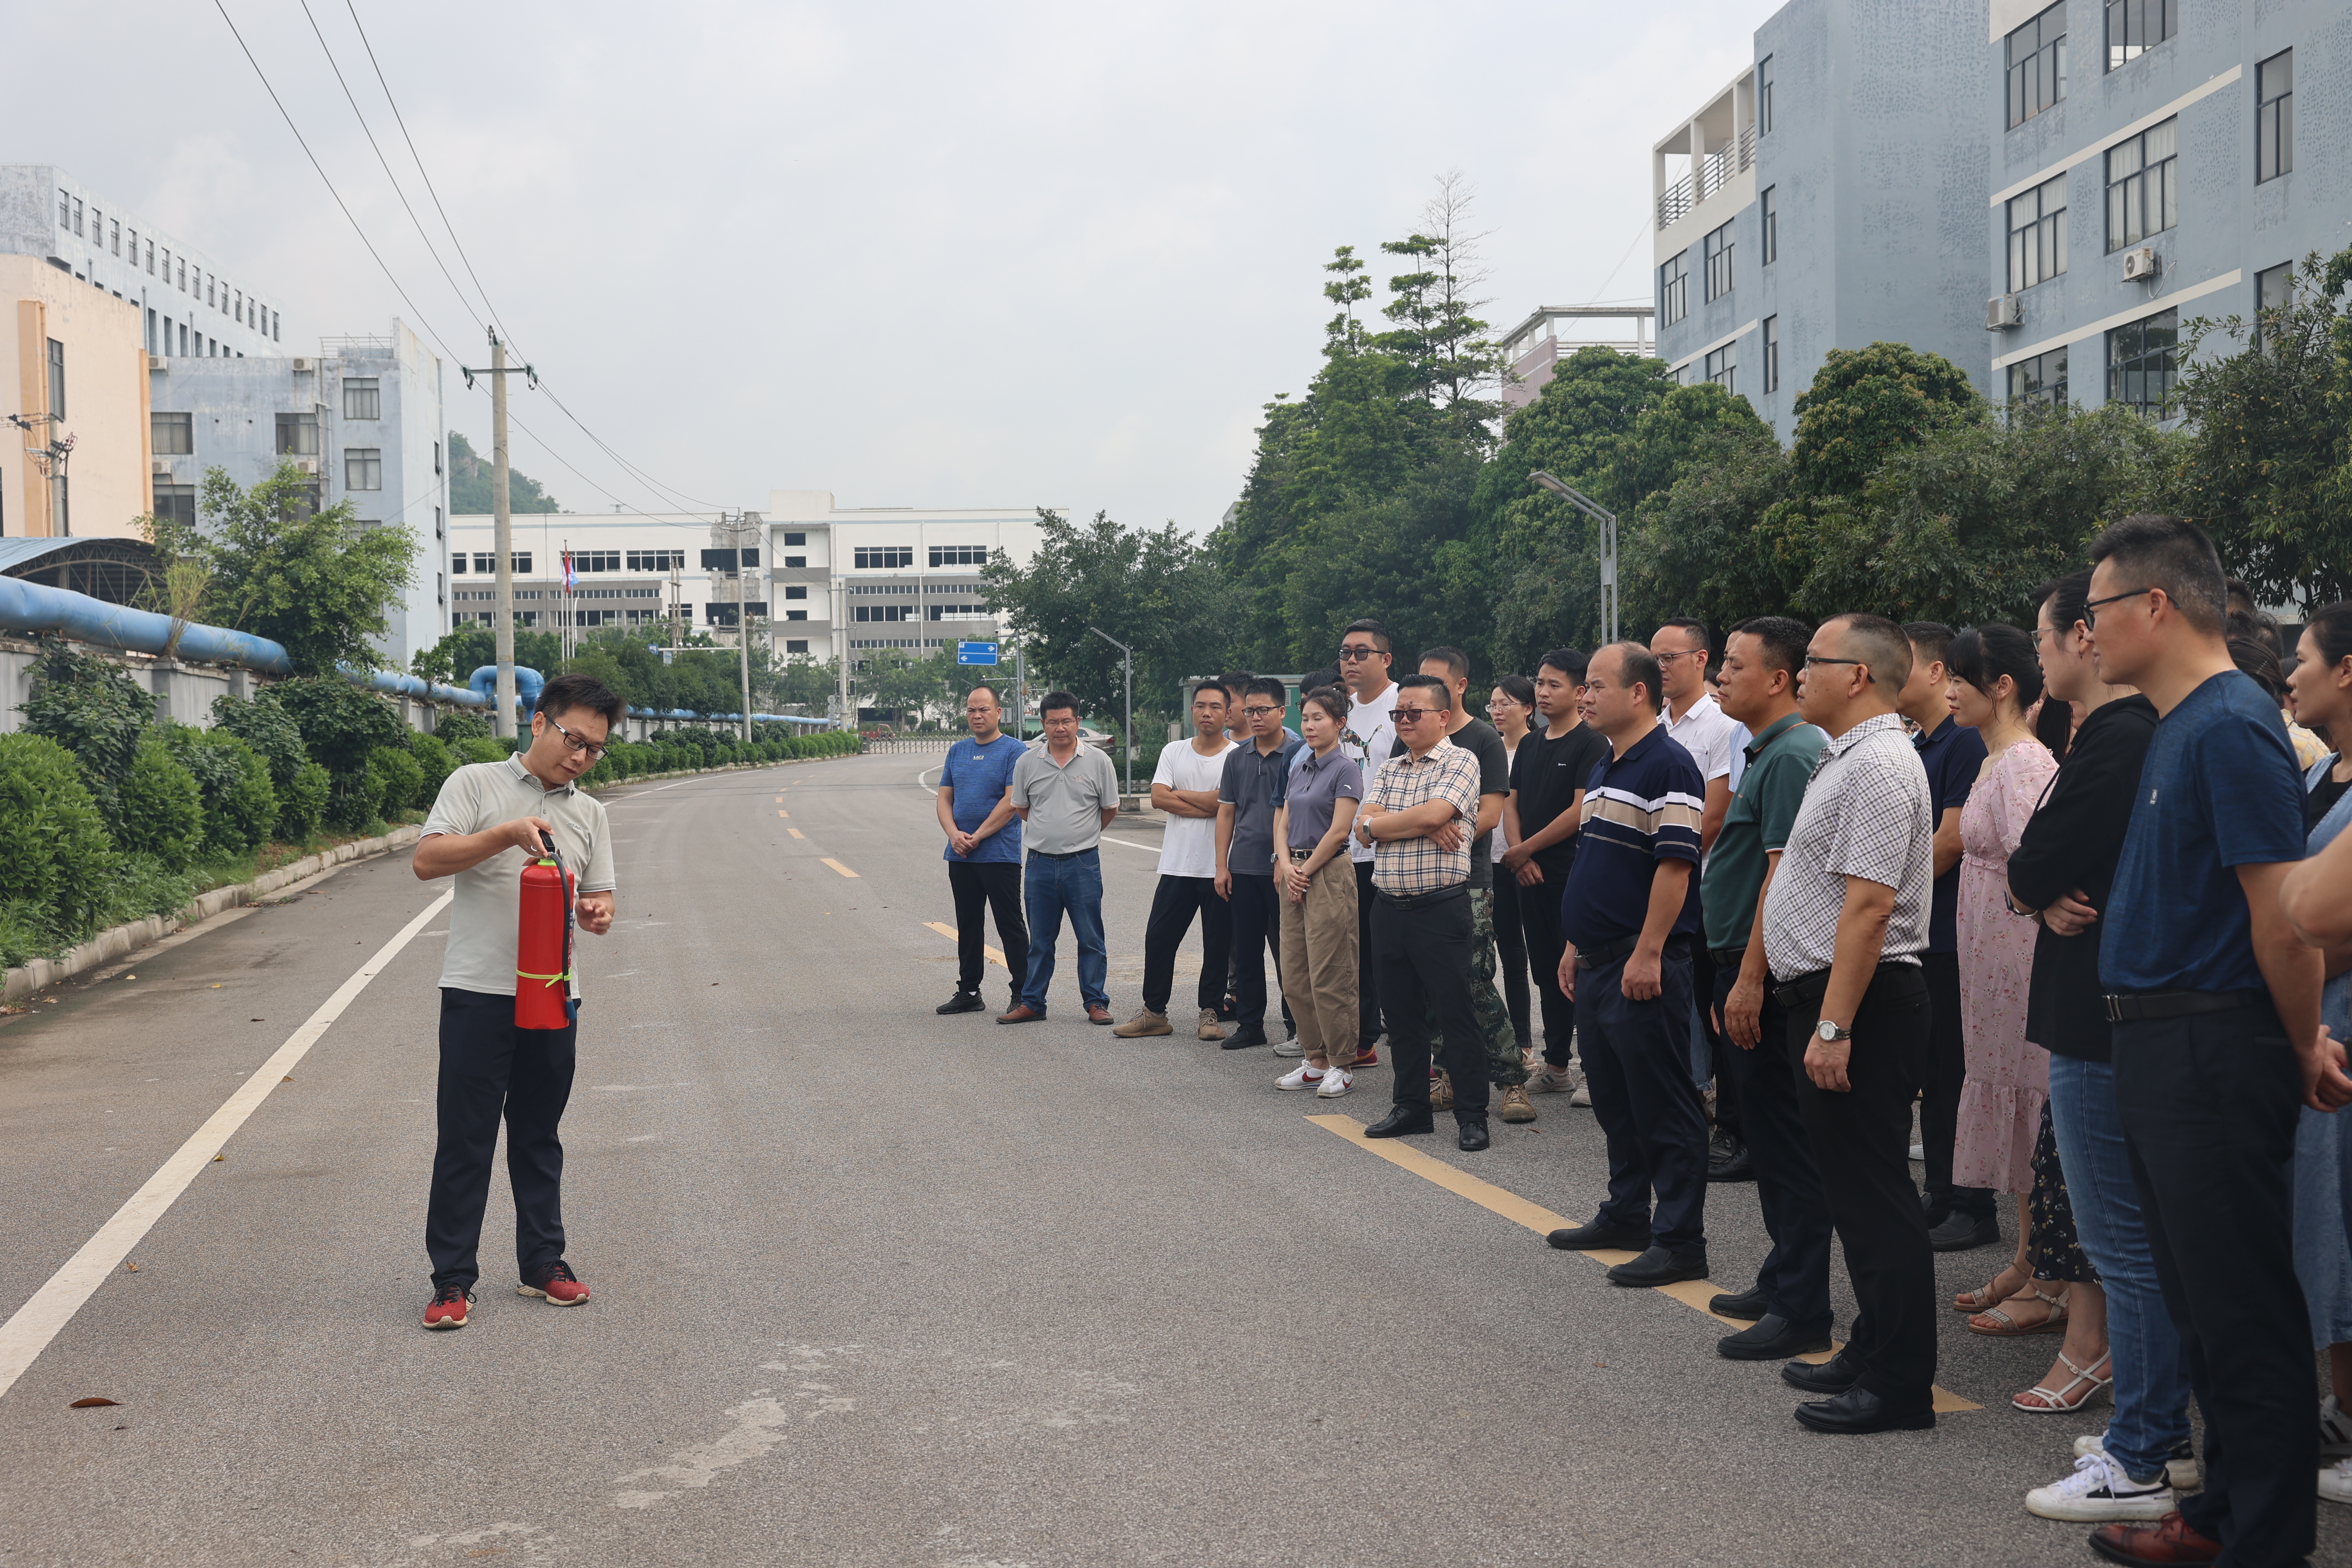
{"x": 1300, "y": 1076}
{"x": 1336, "y": 1081}
{"x": 1545, "y": 1078}
{"x": 2181, "y": 1469}
{"x": 2335, "y": 1481}
{"x": 1584, "y": 1095}
{"x": 1918, "y": 1153}
{"x": 2334, "y": 1429}
{"x": 2099, "y": 1490}
{"x": 1291, "y": 1048}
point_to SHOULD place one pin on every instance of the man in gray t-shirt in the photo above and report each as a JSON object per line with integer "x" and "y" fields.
{"x": 1506, "y": 1070}
{"x": 484, "y": 828}
{"x": 1064, "y": 794}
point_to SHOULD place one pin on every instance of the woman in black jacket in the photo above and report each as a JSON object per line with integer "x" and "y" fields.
{"x": 2061, "y": 872}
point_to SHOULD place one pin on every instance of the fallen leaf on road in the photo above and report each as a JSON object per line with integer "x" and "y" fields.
{"x": 131, "y": 1268}
{"x": 91, "y": 1403}
{"x": 218, "y": 1158}
{"x": 288, "y": 1078}
{"x": 261, "y": 1020}
{"x": 216, "y": 984}
{"x": 130, "y": 977}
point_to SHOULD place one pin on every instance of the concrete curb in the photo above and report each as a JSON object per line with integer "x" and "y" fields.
{"x": 115, "y": 942}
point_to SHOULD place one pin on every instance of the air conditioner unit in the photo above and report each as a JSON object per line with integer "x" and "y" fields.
{"x": 301, "y": 365}
{"x": 157, "y": 361}
{"x": 2141, "y": 266}
{"x": 307, "y": 464}
{"x": 163, "y": 468}
{"x": 2001, "y": 310}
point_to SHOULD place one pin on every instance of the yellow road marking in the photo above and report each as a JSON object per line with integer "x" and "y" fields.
{"x": 1692, "y": 1293}
{"x": 782, "y": 813}
{"x": 796, "y": 833}
{"x": 839, "y": 866}
{"x": 994, "y": 957}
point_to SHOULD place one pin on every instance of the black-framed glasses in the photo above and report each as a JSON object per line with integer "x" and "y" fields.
{"x": 1412, "y": 715}
{"x": 1258, "y": 712}
{"x": 1812, "y": 659}
{"x": 574, "y": 741}
{"x": 1684, "y": 653}
{"x": 1349, "y": 653}
{"x": 2090, "y": 609}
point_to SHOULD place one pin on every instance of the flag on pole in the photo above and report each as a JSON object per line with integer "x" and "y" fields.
{"x": 571, "y": 578}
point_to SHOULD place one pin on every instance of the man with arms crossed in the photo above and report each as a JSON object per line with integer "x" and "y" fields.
{"x": 2215, "y": 1011}
{"x": 983, "y": 852}
{"x": 1845, "y": 921}
{"x": 1184, "y": 786}
{"x": 1421, "y": 931}
{"x": 1064, "y": 794}
{"x": 490, "y": 1069}
{"x": 1630, "y": 913}
{"x": 1364, "y": 666}
{"x": 1762, "y": 660}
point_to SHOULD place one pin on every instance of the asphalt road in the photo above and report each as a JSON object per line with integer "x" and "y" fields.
{"x": 877, "y": 1287}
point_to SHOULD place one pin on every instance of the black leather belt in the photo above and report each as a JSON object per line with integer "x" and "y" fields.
{"x": 1070, "y": 854}
{"x": 1607, "y": 954}
{"x": 1727, "y": 957}
{"x": 1302, "y": 855}
{"x": 1424, "y": 900}
{"x": 1812, "y": 987}
{"x": 2131, "y": 1007}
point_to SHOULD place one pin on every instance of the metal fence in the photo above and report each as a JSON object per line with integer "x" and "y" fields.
{"x": 908, "y": 743}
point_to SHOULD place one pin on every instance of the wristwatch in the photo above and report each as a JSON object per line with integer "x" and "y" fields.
{"x": 1829, "y": 1033}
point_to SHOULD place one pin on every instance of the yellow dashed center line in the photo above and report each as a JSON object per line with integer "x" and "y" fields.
{"x": 796, "y": 833}
{"x": 994, "y": 957}
{"x": 1692, "y": 1293}
{"x": 782, "y": 813}
{"x": 839, "y": 866}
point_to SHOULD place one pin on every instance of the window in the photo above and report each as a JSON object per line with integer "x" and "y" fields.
{"x": 363, "y": 398}
{"x": 57, "y": 380}
{"x": 98, "y": 228}
{"x": 2043, "y": 376}
{"x": 274, "y": 324}
{"x": 2142, "y": 361}
{"x": 64, "y": 210}
{"x": 1718, "y": 262}
{"x": 436, "y": 456}
{"x": 114, "y": 238}
{"x": 719, "y": 615}
{"x": 796, "y": 560}
{"x": 2274, "y": 289}
{"x": 150, "y": 257}
{"x": 1771, "y": 353}
{"x": 959, "y": 554}
{"x": 2136, "y": 26}
{"x": 2035, "y": 57}
{"x": 796, "y": 541}
{"x": 1674, "y": 290}
{"x": 151, "y": 331}
{"x": 2037, "y": 234}
{"x": 2274, "y": 116}
{"x": 1723, "y": 367}
{"x": 297, "y": 435}
{"x": 883, "y": 612}
{"x": 184, "y": 275}
{"x": 522, "y": 567}
{"x": 1764, "y": 96}
{"x": 958, "y": 612}
{"x": 884, "y": 557}
{"x": 1771, "y": 225}
{"x": 77, "y": 216}
{"x": 795, "y": 592}
{"x": 796, "y": 645}
{"x": 458, "y": 564}
{"x": 240, "y": 305}
{"x": 595, "y": 561}
{"x": 183, "y": 340}
{"x": 2143, "y": 186}
{"x": 796, "y": 614}
{"x": 172, "y": 435}
{"x": 362, "y": 467}
{"x": 209, "y": 283}
{"x": 176, "y": 503}
{"x": 655, "y": 560}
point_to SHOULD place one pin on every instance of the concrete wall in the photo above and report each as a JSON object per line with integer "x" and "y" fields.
{"x": 106, "y": 406}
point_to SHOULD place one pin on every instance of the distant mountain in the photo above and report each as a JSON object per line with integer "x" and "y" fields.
{"x": 469, "y": 484}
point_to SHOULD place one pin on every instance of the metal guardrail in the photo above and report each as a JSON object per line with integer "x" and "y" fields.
{"x": 908, "y": 743}
{"x": 1712, "y": 172}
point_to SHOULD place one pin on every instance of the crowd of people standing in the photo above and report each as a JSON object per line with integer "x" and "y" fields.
{"x": 2032, "y": 898}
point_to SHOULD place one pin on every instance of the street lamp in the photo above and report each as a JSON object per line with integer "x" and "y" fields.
{"x": 1608, "y": 521}
{"x": 1127, "y": 735}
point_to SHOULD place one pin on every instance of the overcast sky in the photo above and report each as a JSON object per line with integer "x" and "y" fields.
{"x": 918, "y": 254}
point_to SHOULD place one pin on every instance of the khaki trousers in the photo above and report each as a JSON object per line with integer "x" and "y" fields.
{"x": 1319, "y": 960}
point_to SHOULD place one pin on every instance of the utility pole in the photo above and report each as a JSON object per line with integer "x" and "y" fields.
{"x": 502, "y": 631}
{"x": 1608, "y": 521}
{"x": 841, "y": 633}
{"x": 735, "y": 527}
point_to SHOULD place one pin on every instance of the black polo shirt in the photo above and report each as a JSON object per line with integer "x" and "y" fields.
{"x": 1952, "y": 755}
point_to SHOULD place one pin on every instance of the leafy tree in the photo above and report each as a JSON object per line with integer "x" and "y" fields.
{"x": 240, "y": 804}
{"x": 88, "y": 706}
{"x": 1402, "y": 558}
{"x": 1866, "y": 403}
{"x": 1696, "y": 548}
{"x": 465, "y": 649}
{"x": 2264, "y": 466}
{"x": 1158, "y": 592}
{"x": 889, "y": 679}
{"x": 160, "y": 806}
{"x": 802, "y": 682}
{"x": 469, "y": 484}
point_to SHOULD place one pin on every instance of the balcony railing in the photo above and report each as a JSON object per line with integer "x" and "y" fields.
{"x": 1712, "y": 172}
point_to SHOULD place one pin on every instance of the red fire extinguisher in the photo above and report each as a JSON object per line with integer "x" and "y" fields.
{"x": 544, "y": 944}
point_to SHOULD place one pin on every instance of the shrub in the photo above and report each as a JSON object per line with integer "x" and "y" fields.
{"x": 240, "y": 804}
{"x": 437, "y": 762}
{"x": 54, "y": 852}
{"x": 302, "y": 804}
{"x": 482, "y": 749}
{"x": 159, "y": 809}
{"x": 355, "y": 800}
{"x": 399, "y": 778}
{"x": 270, "y": 730}
{"x": 342, "y": 724}
{"x": 461, "y": 725}
{"x": 94, "y": 711}
{"x": 138, "y": 886}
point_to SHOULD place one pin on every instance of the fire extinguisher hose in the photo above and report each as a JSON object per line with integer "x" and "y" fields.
{"x": 554, "y": 856}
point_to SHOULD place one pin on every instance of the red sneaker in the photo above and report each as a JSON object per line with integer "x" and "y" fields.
{"x": 556, "y": 1284}
{"x": 449, "y": 1308}
{"x": 1369, "y": 1056}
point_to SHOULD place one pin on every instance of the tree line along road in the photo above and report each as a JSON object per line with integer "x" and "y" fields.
{"x": 874, "y": 1286}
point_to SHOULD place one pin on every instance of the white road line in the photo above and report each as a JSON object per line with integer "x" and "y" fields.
{"x": 1131, "y": 843}
{"x": 37, "y": 1321}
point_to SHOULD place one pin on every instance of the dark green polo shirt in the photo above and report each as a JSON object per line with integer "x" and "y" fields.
{"x": 1779, "y": 763}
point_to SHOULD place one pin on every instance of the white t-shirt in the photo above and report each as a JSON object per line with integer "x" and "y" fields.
{"x": 1188, "y": 845}
{"x": 1369, "y": 737}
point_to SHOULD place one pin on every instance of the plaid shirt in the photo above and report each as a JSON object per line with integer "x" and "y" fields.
{"x": 1866, "y": 814}
{"x": 1407, "y": 866}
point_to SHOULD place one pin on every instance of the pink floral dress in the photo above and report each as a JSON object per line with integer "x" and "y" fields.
{"x": 2009, "y": 1079}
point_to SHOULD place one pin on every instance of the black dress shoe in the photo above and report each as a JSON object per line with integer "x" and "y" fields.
{"x": 1857, "y": 1412}
{"x": 963, "y": 1002}
{"x": 1596, "y": 1237}
{"x": 1243, "y": 1040}
{"x": 1959, "y": 1232}
{"x": 1835, "y": 1375}
{"x": 1771, "y": 1339}
{"x": 1473, "y": 1138}
{"x": 1729, "y": 1159}
{"x": 1750, "y": 1304}
{"x": 1403, "y": 1121}
{"x": 1659, "y": 1267}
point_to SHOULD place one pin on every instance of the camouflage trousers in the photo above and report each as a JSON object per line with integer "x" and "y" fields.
{"x": 1504, "y": 1069}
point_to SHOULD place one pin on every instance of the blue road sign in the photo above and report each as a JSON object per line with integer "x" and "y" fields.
{"x": 975, "y": 653}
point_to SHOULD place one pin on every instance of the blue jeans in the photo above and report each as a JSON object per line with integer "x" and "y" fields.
{"x": 1053, "y": 885}
{"x": 2151, "y": 1392}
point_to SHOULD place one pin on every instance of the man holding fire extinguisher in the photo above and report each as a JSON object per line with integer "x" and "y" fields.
{"x": 507, "y": 1035}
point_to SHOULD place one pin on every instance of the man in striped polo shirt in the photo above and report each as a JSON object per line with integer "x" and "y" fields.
{"x": 1631, "y": 912}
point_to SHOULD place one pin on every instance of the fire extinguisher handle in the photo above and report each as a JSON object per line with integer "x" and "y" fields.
{"x": 547, "y": 841}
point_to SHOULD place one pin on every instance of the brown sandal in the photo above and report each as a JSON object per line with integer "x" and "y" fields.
{"x": 1991, "y": 1295}
{"x": 2011, "y": 1329}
